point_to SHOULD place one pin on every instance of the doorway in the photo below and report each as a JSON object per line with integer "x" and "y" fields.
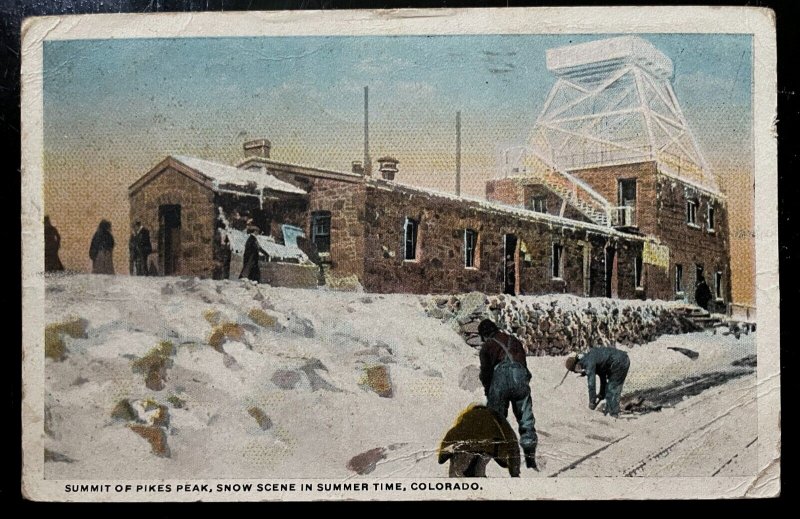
{"x": 169, "y": 234}
{"x": 611, "y": 272}
{"x": 509, "y": 264}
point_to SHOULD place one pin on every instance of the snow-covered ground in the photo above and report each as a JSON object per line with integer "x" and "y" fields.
{"x": 289, "y": 393}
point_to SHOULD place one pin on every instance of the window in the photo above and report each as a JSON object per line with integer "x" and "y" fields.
{"x": 411, "y": 227}
{"x": 637, "y": 271}
{"x": 470, "y": 245}
{"x": 710, "y": 218}
{"x": 558, "y": 260}
{"x": 626, "y": 199}
{"x": 321, "y": 230}
{"x": 718, "y": 285}
{"x": 691, "y": 212}
{"x": 678, "y": 279}
{"x": 539, "y": 204}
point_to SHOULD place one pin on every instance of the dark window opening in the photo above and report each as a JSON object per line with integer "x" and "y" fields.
{"x": 637, "y": 271}
{"x": 470, "y": 245}
{"x": 718, "y": 285}
{"x": 321, "y": 230}
{"x": 691, "y": 212}
{"x": 411, "y": 227}
{"x": 626, "y": 198}
{"x": 510, "y": 264}
{"x": 557, "y": 260}
{"x": 678, "y": 279}
{"x": 711, "y": 218}
{"x": 539, "y": 204}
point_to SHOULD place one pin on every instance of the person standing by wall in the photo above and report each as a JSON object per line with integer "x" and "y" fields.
{"x": 101, "y": 249}
{"x": 702, "y": 293}
{"x": 142, "y": 249}
{"x": 252, "y": 250}
{"x": 52, "y": 242}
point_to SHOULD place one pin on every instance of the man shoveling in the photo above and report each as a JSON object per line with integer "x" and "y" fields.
{"x": 612, "y": 367}
{"x": 506, "y": 380}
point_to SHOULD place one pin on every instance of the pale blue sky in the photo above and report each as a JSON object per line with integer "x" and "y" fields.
{"x": 134, "y": 101}
{"x": 115, "y": 108}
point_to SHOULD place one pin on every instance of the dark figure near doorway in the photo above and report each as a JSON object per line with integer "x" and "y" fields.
{"x": 702, "y": 293}
{"x": 52, "y": 242}
{"x": 101, "y": 249}
{"x": 140, "y": 248}
{"x": 222, "y": 255}
{"x": 250, "y": 268}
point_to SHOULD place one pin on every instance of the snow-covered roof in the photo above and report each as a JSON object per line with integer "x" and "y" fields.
{"x": 222, "y": 174}
{"x": 497, "y": 207}
{"x": 275, "y": 250}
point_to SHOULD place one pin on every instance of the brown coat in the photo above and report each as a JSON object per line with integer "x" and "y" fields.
{"x": 492, "y": 353}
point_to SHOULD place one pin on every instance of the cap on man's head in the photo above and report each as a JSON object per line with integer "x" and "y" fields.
{"x": 487, "y": 328}
{"x": 572, "y": 360}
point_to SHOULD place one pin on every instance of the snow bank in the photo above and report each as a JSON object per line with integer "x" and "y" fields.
{"x": 559, "y": 324}
{"x": 306, "y": 381}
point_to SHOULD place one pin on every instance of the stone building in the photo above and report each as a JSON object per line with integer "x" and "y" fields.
{"x": 581, "y": 213}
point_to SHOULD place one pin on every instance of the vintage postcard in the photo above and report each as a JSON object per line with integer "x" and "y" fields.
{"x": 400, "y": 255}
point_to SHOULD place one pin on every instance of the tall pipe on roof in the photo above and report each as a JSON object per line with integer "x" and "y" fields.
{"x": 367, "y": 164}
{"x": 458, "y": 153}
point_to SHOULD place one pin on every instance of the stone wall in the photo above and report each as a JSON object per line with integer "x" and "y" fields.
{"x": 198, "y": 215}
{"x": 439, "y": 263}
{"x": 661, "y": 212}
{"x": 345, "y": 201}
{"x": 694, "y": 245}
{"x": 557, "y": 325}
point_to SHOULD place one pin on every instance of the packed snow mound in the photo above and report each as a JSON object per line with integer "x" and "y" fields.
{"x": 188, "y": 378}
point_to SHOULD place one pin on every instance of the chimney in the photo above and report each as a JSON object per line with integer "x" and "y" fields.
{"x": 358, "y": 167}
{"x": 257, "y": 148}
{"x": 388, "y": 167}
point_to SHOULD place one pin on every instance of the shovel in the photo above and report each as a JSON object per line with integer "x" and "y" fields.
{"x": 562, "y": 380}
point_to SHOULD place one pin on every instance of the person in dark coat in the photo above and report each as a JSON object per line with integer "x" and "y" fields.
{"x": 702, "y": 293}
{"x": 101, "y": 249}
{"x": 52, "y": 242}
{"x": 226, "y": 257}
{"x": 611, "y": 365}
{"x": 506, "y": 380}
{"x": 250, "y": 268}
{"x": 142, "y": 247}
{"x": 132, "y": 253}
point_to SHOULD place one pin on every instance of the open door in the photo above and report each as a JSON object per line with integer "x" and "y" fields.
{"x": 510, "y": 264}
{"x": 169, "y": 237}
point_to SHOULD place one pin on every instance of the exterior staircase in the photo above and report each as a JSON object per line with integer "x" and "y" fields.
{"x": 700, "y": 318}
{"x": 579, "y": 195}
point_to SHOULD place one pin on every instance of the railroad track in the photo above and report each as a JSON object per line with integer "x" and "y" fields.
{"x": 663, "y": 452}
